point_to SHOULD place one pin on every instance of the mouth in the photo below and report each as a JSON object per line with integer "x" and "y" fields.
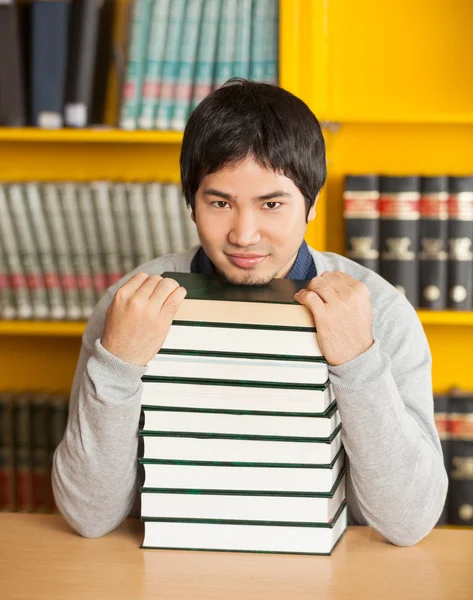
{"x": 246, "y": 261}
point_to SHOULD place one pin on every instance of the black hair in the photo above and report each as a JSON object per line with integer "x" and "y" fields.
{"x": 247, "y": 118}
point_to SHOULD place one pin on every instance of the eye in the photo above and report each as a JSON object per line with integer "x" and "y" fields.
{"x": 220, "y": 204}
{"x": 271, "y": 205}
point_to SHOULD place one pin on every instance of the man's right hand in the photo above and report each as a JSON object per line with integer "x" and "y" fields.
{"x": 140, "y": 316}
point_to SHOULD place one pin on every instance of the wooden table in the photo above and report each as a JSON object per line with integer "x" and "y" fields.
{"x": 41, "y": 558}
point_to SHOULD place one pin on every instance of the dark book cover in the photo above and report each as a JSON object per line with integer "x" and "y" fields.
{"x": 361, "y": 214}
{"x": 12, "y": 86}
{"x": 441, "y": 422}
{"x": 7, "y": 458}
{"x": 399, "y": 233}
{"x": 103, "y": 62}
{"x": 460, "y": 504}
{"x": 39, "y": 453}
{"x": 81, "y": 61}
{"x": 50, "y": 37}
{"x": 57, "y": 420}
{"x": 212, "y": 287}
{"x": 22, "y": 440}
{"x": 460, "y": 241}
{"x": 433, "y": 242}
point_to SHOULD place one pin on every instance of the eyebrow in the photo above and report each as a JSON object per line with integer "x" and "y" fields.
{"x": 225, "y": 196}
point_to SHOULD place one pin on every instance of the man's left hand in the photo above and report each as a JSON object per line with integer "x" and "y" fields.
{"x": 341, "y": 308}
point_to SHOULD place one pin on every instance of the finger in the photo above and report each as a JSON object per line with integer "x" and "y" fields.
{"x": 129, "y": 288}
{"x": 311, "y": 301}
{"x": 323, "y": 288}
{"x": 148, "y": 286}
{"x": 340, "y": 284}
{"x": 172, "y": 303}
{"x": 162, "y": 291}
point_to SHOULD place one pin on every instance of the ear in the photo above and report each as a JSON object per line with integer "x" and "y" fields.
{"x": 312, "y": 211}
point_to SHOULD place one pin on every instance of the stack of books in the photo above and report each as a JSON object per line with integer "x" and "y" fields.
{"x": 240, "y": 436}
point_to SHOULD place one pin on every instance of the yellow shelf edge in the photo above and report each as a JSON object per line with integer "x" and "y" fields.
{"x": 34, "y": 134}
{"x": 76, "y": 328}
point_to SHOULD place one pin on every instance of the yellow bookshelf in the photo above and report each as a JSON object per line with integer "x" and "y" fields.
{"x": 374, "y": 73}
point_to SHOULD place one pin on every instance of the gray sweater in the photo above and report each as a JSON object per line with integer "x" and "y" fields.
{"x": 396, "y": 478}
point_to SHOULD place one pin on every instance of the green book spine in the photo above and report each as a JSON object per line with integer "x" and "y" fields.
{"x": 39, "y": 454}
{"x": 226, "y": 42}
{"x": 57, "y": 420}
{"x": 154, "y": 63}
{"x": 23, "y": 472}
{"x": 7, "y": 300}
{"x": 206, "y": 52}
{"x": 7, "y": 458}
{"x": 241, "y": 59}
{"x": 171, "y": 65}
{"x": 258, "y": 29}
{"x": 135, "y": 67}
{"x": 183, "y": 91}
{"x": 272, "y": 43}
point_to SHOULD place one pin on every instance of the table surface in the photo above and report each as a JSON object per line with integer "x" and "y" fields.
{"x": 40, "y": 557}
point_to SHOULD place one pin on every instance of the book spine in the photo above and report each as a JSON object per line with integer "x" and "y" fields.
{"x": 258, "y": 27}
{"x": 7, "y": 459}
{"x": 60, "y": 244}
{"x": 399, "y": 227}
{"x": 272, "y": 43}
{"x": 101, "y": 196}
{"x": 157, "y": 219}
{"x": 121, "y": 217}
{"x": 433, "y": 234}
{"x": 131, "y": 105}
{"x": 241, "y": 58}
{"x": 361, "y": 214}
{"x": 226, "y": 42}
{"x": 461, "y": 460}
{"x": 82, "y": 54}
{"x": 16, "y": 276}
{"x": 206, "y": 52}
{"x": 103, "y": 61}
{"x": 170, "y": 65}
{"x": 28, "y": 253}
{"x": 50, "y": 36}
{"x": 57, "y": 420}
{"x": 154, "y": 63}
{"x": 39, "y": 454}
{"x": 23, "y": 474}
{"x": 441, "y": 423}
{"x": 45, "y": 251}
{"x": 7, "y": 299}
{"x": 92, "y": 239}
{"x": 75, "y": 233}
{"x": 142, "y": 245}
{"x": 173, "y": 215}
{"x": 183, "y": 89}
{"x": 460, "y": 241}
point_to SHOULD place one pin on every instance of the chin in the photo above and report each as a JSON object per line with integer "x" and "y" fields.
{"x": 246, "y": 277}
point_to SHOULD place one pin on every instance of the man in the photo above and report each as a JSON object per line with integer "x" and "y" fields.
{"x": 252, "y": 166}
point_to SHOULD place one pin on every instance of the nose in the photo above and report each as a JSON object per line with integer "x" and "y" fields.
{"x": 244, "y": 230}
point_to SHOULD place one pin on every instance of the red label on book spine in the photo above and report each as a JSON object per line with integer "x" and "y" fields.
{"x": 100, "y": 282}
{"x": 51, "y": 280}
{"x": 84, "y": 281}
{"x": 432, "y": 207}
{"x": 113, "y": 278}
{"x": 23, "y": 490}
{"x": 34, "y": 281}
{"x": 17, "y": 281}
{"x": 460, "y": 208}
{"x": 368, "y": 207}
{"x": 399, "y": 207}
{"x": 68, "y": 282}
{"x": 6, "y": 489}
{"x": 39, "y": 483}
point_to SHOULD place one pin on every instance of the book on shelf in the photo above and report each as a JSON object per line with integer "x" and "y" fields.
{"x": 433, "y": 242}
{"x": 31, "y": 427}
{"x": 361, "y": 214}
{"x": 232, "y": 418}
{"x": 460, "y": 243}
{"x": 441, "y": 423}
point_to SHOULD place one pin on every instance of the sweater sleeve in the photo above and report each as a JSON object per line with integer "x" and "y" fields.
{"x": 94, "y": 473}
{"x": 388, "y": 430}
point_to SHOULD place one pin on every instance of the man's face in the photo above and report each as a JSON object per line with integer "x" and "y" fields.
{"x": 251, "y": 222}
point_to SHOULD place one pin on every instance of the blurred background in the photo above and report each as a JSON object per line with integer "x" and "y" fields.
{"x": 94, "y": 96}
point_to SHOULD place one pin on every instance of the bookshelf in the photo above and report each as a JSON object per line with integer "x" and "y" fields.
{"x": 377, "y": 77}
